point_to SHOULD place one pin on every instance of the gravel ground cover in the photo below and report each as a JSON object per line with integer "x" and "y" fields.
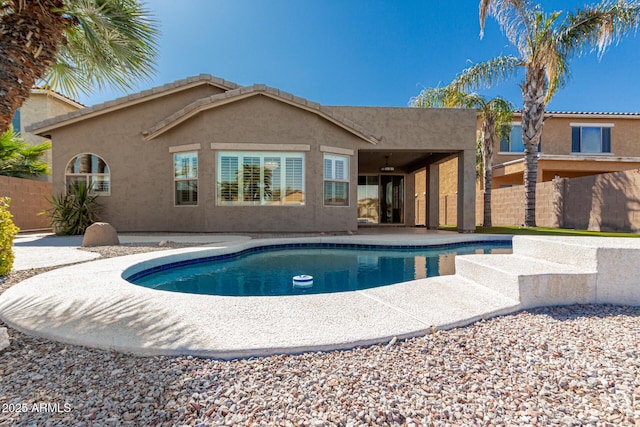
{"x": 570, "y": 366}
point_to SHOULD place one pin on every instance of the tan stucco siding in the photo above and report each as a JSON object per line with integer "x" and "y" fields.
{"x": 556, "y": 136}
{"x": 36, "y": 108}
{"x": 434, "y": 129}
{"x": 142, "y": 183}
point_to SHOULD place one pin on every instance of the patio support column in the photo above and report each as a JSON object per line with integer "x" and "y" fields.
{"x": 433, "y": 196}
{"x": 467, "y": 191}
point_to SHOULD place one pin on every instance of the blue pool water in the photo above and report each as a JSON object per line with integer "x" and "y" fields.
{"x": 269, "y": 272}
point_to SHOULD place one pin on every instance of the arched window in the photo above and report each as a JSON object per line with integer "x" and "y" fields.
{"x": 91, "y": 171}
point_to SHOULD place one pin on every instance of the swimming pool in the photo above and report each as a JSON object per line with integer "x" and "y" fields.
{"x": 269, "y": 270}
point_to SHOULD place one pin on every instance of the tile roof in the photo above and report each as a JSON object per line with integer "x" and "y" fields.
{"x": 587, "y": 113}
{"x": 131, "y": 99}
{"x": 254, "y": 90}
{"x": 60, "y": 95}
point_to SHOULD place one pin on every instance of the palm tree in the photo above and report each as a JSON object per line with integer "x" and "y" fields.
{"x": 496, "y": 115}
{"x": 19, "y": 159}
{"x": 545, "y": 43}
{"x": 72, "y": 45}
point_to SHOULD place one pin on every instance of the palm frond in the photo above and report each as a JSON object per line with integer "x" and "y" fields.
{"x": 498, "y": 110}
{"x": 548, "y": 54}
{"x": 515, "y": 17}
{"x": 109, "y": 43}
{"x": 438, "y": 97}
{"x": 502, "y": 112}
{"x": 488, "y": 73}
{"x": 596, "y": 27}
{"x": 19, "y": 159}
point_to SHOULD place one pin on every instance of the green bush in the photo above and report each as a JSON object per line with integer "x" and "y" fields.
{"x": 73, "y": 212}
{"x": 8, "y": 232}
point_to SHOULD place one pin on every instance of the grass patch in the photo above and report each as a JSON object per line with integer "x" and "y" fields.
{"x": 542, "y": 231}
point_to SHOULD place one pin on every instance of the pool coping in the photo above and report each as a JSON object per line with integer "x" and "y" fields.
{"x": 91, "y": 304}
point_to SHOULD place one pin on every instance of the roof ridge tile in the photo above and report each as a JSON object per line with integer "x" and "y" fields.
{"x": 133, "y": 97}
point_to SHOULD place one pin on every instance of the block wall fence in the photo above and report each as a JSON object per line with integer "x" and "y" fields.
{"x": 606, "y": 202}
{"x": 28, "y": 198}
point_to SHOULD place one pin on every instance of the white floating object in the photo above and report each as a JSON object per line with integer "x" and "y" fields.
{"x": 302, "y": 281}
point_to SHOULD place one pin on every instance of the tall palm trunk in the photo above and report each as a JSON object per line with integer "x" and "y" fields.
{"x": 533, "y": 93}
{"x": 488, "y": 133}
{"x": 28, "y": 46}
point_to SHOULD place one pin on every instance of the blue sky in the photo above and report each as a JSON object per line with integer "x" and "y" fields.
{"x": 364, "y": 52}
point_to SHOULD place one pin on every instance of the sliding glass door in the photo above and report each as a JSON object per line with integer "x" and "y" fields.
{"x": 381, "y": 199}
{"x": 391, "y": 199}
{"x": 368, "y": 199}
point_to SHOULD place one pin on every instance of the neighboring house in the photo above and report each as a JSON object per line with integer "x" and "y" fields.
{"x": 41, "y": 105}
{"x": 572, "y": 145}
{"x": 206, "y": 155}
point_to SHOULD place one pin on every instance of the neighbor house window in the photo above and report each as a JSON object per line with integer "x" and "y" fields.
{"x": 513, "y": 143}
{"x": 90, "y": 171}
{"x": 590, "y": 138}
{"x": 260, "y": 178}
{"x": 336, "y": 180}
{"x": 185, "y": 176}
{"x": 15, "y": 122}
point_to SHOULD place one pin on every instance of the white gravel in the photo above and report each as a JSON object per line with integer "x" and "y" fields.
{"x": 575, "y": 365}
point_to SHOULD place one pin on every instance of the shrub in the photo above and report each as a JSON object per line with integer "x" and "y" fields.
{"x": 8, "y": 232}
{"x": 73, "y": 212}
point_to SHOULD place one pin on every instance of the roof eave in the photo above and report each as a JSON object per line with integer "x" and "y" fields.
{"x": 46, "y": 126}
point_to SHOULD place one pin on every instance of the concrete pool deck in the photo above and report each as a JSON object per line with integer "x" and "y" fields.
{"x": 91, "y": 304}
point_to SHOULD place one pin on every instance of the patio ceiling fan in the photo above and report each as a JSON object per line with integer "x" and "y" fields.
{"x": 386, "y": 167}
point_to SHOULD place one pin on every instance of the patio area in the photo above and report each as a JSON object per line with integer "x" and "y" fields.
{"x": 91, "y": 304}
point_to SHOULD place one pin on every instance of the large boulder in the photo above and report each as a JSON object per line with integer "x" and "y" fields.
{"x": 100, "y": 234}
{"x": 4, "y": 338}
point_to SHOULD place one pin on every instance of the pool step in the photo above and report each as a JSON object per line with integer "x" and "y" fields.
{"x": 534, "y": 282}
{"x": 570, "y": 252}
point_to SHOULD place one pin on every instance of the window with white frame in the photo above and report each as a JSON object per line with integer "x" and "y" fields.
{"x": 336, "y": 180}
{"x": 185, "y": 177}
{"x": 260, "y": 178}
{"x": 591, "y": 138}
{"x": 89, "y": 171}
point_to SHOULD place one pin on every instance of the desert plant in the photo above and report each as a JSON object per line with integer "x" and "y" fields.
{"x": 73, "y": 212}
{"x": 8, "y": 232}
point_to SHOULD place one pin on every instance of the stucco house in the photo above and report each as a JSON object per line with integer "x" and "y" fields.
{"x": 206, "y": 155}
{"x": 41, "y": 105}
{"x": 573, "y": 144}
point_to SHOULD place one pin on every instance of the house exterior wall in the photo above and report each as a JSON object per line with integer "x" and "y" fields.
{"x": 40, "y": 106}
{"x": 556, "y": 140}
{"x": 556, "y": 136}
{"x": 141, "y": 171}
{"x": 448, "y": 192}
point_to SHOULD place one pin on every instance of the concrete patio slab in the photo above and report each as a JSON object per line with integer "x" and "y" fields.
{"x": 91, "y": 304}
{"x": 48, "y": 250}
